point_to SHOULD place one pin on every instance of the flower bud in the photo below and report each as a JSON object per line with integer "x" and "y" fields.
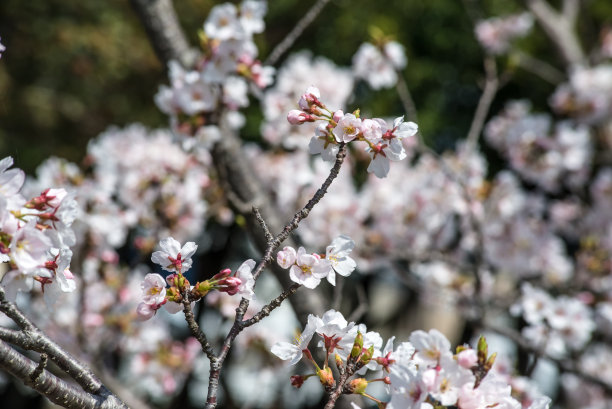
{"x": 173, "y": 294}
{"x": 297, "y": 381}
{"x": 467, "y": 358}
{"x": 358, "y": 386}
{"x": 338, "y": 115}
{"x": 222, "y": 274}
{"x": 230, "y": 285}
{"x": 339, "y": 361}
{"x": 201, "y": 289}
{"x": 326, "y": 377}
{"x": 357, "y": 345}
{"x": 310, "y": 98}
{"x": 367, "y": 355}
{"x": 297, "y": 117}
{"x": 177, "y": 280}
{"x": 483, "y": 350}
{"x": 489, "y": 364}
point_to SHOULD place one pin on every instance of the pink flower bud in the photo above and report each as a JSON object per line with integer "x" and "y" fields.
{"x": 230, "y": 285}
{"x": 338, "y": 115}
{"x": 222, "y": 274}
{"x": 297, "y": 117}
{"x": 467, "y": 358}
{"x": 310, "y": 98}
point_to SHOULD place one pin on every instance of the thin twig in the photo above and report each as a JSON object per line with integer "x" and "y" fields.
{"x": 195, "y": 328}
{"x": 406, "y": 97}
{"x": 282, "y": 47}
{"x": 540, "y": 68}
{"x": 37, "y": 372}
{"x": 484, "y": 103}
{"x": 271, "y": 306}
{"x": 263, "y": 224}
{"x": 363, "y": 306}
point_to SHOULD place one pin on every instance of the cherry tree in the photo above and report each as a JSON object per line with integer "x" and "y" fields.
{"x": 118, "y": 272}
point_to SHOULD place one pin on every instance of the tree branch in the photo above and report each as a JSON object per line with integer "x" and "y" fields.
{"x": 294, "y": 34}
{"x": 35, "y": 340}
{"x": 55, "y": 389}
{"x": 484, "y": 103}
{"x": 560, "y": 29}
{"x": 164, "y": 31}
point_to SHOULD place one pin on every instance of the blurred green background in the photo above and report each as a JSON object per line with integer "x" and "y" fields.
{"x": 73, "y": 68}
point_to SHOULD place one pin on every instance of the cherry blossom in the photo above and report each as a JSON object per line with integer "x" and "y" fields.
{"x": 337, "y": 254}
{"x": 293, "y": 351}
{"x": 286, "y": 257}
{"x": 308, "y": 269}
{"x": 244, "y": 273}
{"x": 173, "y": 257}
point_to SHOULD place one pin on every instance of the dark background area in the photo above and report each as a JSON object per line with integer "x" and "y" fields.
{"x": 73, "y": 68}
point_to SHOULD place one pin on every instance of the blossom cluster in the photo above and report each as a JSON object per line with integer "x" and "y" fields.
{"x": 422, "y": 373}
{"x": 547, "y": 160}
{"x": 309, "y": 269}
{"x": 35, "y": 237}
{"x": 378, "y": 65}
{"x": 297, "y": 74}
{"x": 496, "y": 34}
{"x": 177, "y": 260}
{"x": 384, "y": 142}
{"x": 557, "y": 325}
{"x": 222, "y": 77}
{"x": 587, "y": 95}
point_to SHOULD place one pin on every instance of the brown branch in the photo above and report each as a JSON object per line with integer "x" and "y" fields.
{"x": 167, "y": 38}
{"x": 271, "y": 306}
{"x": 37, "y": 341}
{"x": 282, "y": 47}
{"x": 238, "y": 177}
{"x": 570, "y": 10}
{"x": 195, "y": 328}
{"x": 263, "y": 225}
{"x": 55, "y": 389}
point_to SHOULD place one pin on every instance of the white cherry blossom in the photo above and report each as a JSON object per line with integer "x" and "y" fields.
{"x": 172, "y": 257}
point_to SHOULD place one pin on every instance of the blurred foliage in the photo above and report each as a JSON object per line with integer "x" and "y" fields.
{"x": 73, "y": 68}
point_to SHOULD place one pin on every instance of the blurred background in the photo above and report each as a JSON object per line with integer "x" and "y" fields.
{"x": 73, "y": 68}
